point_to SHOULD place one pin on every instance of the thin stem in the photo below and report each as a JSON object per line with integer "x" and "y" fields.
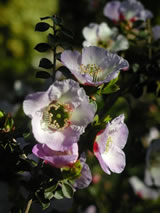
{"x": 28, "y": 206}
{"x": 54, "y": 53}
{"x": 149, "y": 38}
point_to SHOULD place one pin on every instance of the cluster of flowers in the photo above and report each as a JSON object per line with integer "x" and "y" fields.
{"x": 61, "y": 114}
{"x": 123, "y": 14}
{"x": 149, "y": 188}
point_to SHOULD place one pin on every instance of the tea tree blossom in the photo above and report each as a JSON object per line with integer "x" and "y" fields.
{"x": 108, "y": 146}
{"x": 142, "y": 190}
{"x": 128, "y": 10}
{"x": 94, "y": 66}
{"x": 56, "y": 158}
{"x": 152, "y": 171}
{"x": 59, "y": 115}
{"x": 156, "y": 32}
{"x": 103, "y": 36}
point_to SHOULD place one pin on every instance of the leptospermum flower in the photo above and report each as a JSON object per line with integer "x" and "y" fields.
{"x": 103, "y": 36}
{"x": 129, "y": 10}
{"x": 57, "y": 159}
{"x": 152, "y": 170}
{"x": 142, "y": 190}
{"x": 59, "y": 115}
{"x": 156, "y": 32}
{"x": 108, "y": 146}
{"x": 94, "y": 66}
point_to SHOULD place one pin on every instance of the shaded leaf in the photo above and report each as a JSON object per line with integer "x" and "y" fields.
{"x": 58, "y": 56}
{"x": 58, "y": 195}
{"x": 48, "y": 195}
{"x": 45, "y": 63}
{"x": 110, "y": 89}
{"x": 42, "y": 26}
{"x": 56, "y": 19}
{"x": 43, "y": 75}
{"x": 46, "y": 17}
{"x": 67, "y": 190}
{"x": 42, "y": 47}
{"x": 65, "y": 71}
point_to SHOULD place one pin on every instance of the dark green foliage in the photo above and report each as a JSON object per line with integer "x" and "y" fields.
{"x": 42, "y": 26}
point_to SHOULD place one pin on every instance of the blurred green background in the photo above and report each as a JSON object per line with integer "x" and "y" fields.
{"x": 18, "y": 65}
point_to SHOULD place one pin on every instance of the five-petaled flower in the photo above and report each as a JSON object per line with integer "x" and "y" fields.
{"x": 128, "y": 10}
{"x": 102, "y": 35}
{"x": 59, "y": 115}
{"x": 94, "y": 66}
{"x": 108, "y": 146}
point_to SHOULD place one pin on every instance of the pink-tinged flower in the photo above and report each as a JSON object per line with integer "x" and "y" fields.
{"x": 129, "y": 10}
{"x": 60, "y": 114}
{"x": 156, "y": 32}
{"x": 143, "y": 191}
{"x": 152, "y": 170}
{"x": 108, "y": 146}
{"x": 57, "y": 159}
{"x": 94, "y": 66}
{"x": 86, "y": 177}
{"x": 101, "y": 35}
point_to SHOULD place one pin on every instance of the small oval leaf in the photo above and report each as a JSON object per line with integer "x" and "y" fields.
{"x": 45, "y": 63}
{"x": 43, "y": 75}
{"x": 67, "y": 190}
{"x": 42, "y": 26}
{"x": 42, "y": 47}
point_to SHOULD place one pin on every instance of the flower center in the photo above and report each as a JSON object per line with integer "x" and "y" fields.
{"x": 57, "y": 116}
{"x": 108, "y": 144}
{"x": 105, "y": 44}
{"x": 93, "y": 70}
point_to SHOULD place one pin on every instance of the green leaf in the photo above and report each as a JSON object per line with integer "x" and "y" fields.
{"x": 67, "y": 190}
{"x": 43, "y": 75}
{"x": 107, "y": 118}
{"x": 48, "y": 195}
{"x": 51, "y": 188}
{"x": 110, "y": 89}
{"x": 65, "y": 71}
{"x": 44, "y": 202}
{"x": 58, "y": 195}
{"x": 58, "y": 56}
{"x": 52, "y": 40}
{"x": 96, "y": 120}
{"x": 42, "y": 26}
{"x": 56, "y": 19}
{"x": 42, "y": 47}
{"x": 44, "y": 18}
{"x": 45, "y": 63}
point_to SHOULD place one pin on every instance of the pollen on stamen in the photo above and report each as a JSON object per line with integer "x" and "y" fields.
{"x": 93, "y": 70}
